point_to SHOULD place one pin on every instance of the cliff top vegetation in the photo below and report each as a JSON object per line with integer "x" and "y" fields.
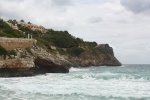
{"x": 63, "y": 41}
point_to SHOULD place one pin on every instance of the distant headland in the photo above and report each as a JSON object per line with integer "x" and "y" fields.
{"x": 27, "y": 49}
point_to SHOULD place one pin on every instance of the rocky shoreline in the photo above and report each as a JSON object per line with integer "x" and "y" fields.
{"x": 26, "y": 51}
{"x": 102, "y": 55}
{"x": 34, "y": 63}
{"x": 39, "y": 61}
{"x": 42, "y": 66}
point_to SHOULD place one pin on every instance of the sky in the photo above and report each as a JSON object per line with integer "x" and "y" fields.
{"x": 123, "y": 24}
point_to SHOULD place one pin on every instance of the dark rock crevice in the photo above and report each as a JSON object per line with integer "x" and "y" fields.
{"x": 17, "y": 72}
{"x": 47, "y": 66}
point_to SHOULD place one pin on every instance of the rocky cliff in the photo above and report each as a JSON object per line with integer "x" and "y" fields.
{"x": 38, "y": 61}
{"x": 102, "y": 55}
{"x": 49, "y": 52}
{"x": 30, "y": 62}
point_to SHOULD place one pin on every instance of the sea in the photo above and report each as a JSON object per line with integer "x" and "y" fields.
{"x": 127, "y": 82}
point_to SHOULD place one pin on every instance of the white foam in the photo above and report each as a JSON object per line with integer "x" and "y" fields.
{"x": 122, "y": 66}
{"x": 74, "y": 69}
{"x": 52, "y": 85}
{"x": 78, "y": 69}
{"x": 107, "y": 73}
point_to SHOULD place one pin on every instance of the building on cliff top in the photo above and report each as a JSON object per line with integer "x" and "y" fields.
{"x": 14, "y": 25}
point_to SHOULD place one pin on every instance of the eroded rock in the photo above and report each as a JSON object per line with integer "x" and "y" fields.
{"x": 100, "y": 56}
{"x": 47, "y": 66}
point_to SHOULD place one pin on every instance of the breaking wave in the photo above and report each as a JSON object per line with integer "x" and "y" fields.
{"x": 97, "y": 83}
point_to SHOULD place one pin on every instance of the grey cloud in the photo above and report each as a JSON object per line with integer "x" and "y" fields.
{"x": 8, "y": 11}
{"x": 95, "y": 20}
{"x": 122, "y": 21}
{"x": 62, "y": 2}
{"x": 9, "y": 15}
{"x": 137, "y": 6}
{"x": 15, "y": 0}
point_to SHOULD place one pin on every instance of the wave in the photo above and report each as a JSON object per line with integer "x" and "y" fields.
{"x": 86, "y": 87}
{"x": 123, "y": 66}
{"x": 74, "y": 69}
{"x": 107, "y": 73}
{"x": 76, "y": 96}
{"x": 110, "y": 76}
{"x": 105, "y": 83}
{"x": 126, "y": 78}
{"x": 79, "y": 69}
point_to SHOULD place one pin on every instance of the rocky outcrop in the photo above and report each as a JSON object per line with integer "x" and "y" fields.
{"x": 49, "y": 63}
{"x": 100, "y": 56}
{"x": 17, "y": 63}
{"x": 47, "y": 66}
{"x": 38, "y": 61}
{"x": 18, "y": 72}
{"x": 55, "y": 58}
{"x": 22, "y": 68}
{"x": 42, "y": 66}
{"x": 55, "y": 51}
{"x": 17, "y": 68}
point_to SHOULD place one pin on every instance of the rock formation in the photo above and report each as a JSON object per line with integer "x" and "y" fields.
{"x": 51, "y": 52}
{"x": 47, "y": 66}
{"x": 32, "y": 62}
{"x": 100, "y": 56}
{"x": 39, "y": 61}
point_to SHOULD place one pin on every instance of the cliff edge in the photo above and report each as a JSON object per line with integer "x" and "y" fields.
{"x": 49, "y": 52}
{"x": 101, "y": 55}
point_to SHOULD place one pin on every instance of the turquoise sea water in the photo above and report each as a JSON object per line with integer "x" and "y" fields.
{"x": 128, "y": 82}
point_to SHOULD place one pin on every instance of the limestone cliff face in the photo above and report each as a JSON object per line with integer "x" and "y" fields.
{"x": 17, "y": 63}
{"x": 39, "y": 61}
{"x": 55, "y": 51}
{"x": 101, "y": 55}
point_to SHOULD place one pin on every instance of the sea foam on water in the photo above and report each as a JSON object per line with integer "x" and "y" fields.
{"x": 95, "y": 83}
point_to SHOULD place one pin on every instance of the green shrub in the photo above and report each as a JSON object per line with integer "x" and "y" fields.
{"x": 12, "y": 52}
{"x": 90, "y": 44}
{"x": 62, "y": 40}
{"x": 7, "y": 31}
{"x": 3, "y": 51}
{"x": 75, "y": 51}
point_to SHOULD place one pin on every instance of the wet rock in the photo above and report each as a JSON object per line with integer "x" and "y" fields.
{"x": 17, "y": 72}
{"x": 47, "y": 66}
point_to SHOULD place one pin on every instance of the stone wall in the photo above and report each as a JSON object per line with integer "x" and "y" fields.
{"x": 16, "y": 43}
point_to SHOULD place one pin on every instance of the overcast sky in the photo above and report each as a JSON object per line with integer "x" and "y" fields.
{"x": 124, "y": 24}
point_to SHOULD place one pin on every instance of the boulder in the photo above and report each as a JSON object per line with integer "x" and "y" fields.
{"x": 17, "y": 72}
{"x": 47, "y": 66}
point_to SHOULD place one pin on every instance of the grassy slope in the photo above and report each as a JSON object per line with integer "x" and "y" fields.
{"x": 65, "y": 43}
{"x": 7, "y": 31}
